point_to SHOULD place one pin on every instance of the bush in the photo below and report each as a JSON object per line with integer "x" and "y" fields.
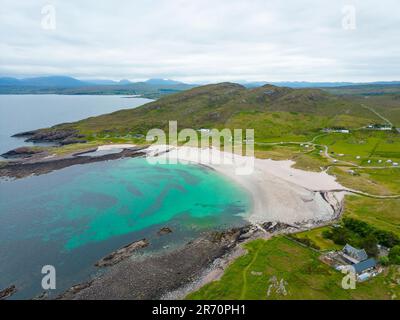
{"x": 394, "y": 255}
{"x": 363, "y": 229}
{"x": 339, "y": 236}
{"x": 308, "y": 242}
{"x": 370, "y": 244}
{"x": 384, "y": 261}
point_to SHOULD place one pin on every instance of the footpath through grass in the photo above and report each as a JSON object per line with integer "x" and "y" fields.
{"x": 271, "y": 265}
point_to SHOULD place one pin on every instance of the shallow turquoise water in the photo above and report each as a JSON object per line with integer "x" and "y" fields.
{"x": 73, "y": 217}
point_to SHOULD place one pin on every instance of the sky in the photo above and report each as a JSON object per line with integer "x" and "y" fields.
{"x": 202, "y": 41}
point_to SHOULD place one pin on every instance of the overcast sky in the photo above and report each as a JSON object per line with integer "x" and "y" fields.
{"x": 202, "y": 40}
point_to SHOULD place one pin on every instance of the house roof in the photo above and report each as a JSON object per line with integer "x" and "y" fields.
{"x": 358, "y": 254}
{"x": 364, "y": 265}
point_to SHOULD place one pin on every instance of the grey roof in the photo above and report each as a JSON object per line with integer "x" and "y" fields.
{"x": 364, "y": 265}
{"x": 355, "y": 253}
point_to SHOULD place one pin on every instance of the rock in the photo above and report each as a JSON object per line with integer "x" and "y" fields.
{"x": 56, "y": 135}
{"x": 24, "y": 134}
{"x": 43, "y": 296}
{"x": 8, "y": 292}
{"x": 72, "y": 141}
{"x": 275, "y": 226}
{"x": 163, "y": 231}
{"x": 122, "y": 253}
{"x": 22, "y": 152}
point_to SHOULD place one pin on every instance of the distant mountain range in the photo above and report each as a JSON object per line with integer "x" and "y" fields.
{"x": 152, "y": 88}
{"x": 65, "y": 81}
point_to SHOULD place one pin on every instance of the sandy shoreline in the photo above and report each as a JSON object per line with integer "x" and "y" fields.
{"x": 279, "y": 192}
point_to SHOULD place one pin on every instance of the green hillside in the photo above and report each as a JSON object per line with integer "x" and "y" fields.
{"x": 274, "y": 113}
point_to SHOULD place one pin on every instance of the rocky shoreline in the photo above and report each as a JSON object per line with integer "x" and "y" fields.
{"x": 173, "y": 275}
{"x": 54, "y": 135}
{"x": 153, "y": 276}
{"x": 43, "y": 165}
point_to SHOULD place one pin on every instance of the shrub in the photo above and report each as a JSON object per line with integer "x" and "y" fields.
{"x": 370, "y": 244}
{"x": 384, "y": 261}
{"x": 394, "y": 255}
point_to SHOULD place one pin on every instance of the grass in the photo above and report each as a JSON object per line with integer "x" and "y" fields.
{"x": 368, "y": 145}
{"x": 250, "y": 276}
{"x": 383, "y": 214}
{"x": 374, "y": 181}
{"x": 304, "y": 158}
{"x": 315, "y": 235}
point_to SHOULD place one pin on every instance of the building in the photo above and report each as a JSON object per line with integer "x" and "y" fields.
{"x": 354, "y": 255}
{"x": 337, "y": 130}
{"x": 379, "y": 127}
{"x": 364, "y": 266}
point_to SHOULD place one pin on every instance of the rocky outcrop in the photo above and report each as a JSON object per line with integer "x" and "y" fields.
{"x": 24, "y": 168}
{"x": 22, "y": 152}
{"x": 60, "y": 136}
{"x": 152, "y": 276}
{"x": 122, "y": 253}
{"x": 163, "y": 231}
{"x": 8, "y": 292}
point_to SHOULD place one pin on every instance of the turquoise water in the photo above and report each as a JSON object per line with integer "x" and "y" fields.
{"x": 73, "y": 217}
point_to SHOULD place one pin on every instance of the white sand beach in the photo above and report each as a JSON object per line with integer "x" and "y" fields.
{"x": 279, "y": 191}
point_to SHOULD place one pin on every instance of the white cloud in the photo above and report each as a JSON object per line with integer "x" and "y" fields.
{"x": 202, "y": 40}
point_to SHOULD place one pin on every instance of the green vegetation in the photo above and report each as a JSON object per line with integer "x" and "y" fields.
{"x": 280, "y": 117}
{"x": 362, "y": 235}
{"x": 367, "y": 145}
{"x": 270, "y": 263}
{"x": 276, "y": 114}
{"x": 381, "y": 213}
{"x": 383, "y": 182}
{"x": 316, "y": 239}
{"x": 394, "y": 255}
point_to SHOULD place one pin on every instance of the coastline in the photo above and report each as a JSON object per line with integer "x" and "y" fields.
{"x": 281, "y": 195}
{"x": 279, "y": 192}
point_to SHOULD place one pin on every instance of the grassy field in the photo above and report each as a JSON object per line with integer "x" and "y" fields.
{"x": 383, "y": 214}
{"x": 304, "y": 276}
{"x": 374, "y": 181}
{"x": 368, "y": 145}
{"x": 315, "y": 235}
{"x": 305, "y": 158}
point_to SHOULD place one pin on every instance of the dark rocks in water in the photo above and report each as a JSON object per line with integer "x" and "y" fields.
{"x": 8, "y": 292}
{"x": 22, "y": 169}
{"x": 84, "y": 152}
{"x": 231, "y": 236}
{"x": 75, "y": 289}
{"x": 43, "y": 296}
{"x": 122, "y": 253}
{"x": 275, "y": 226}
{"x": 22, "y": 152}
{"x": 61, "y": 136}
{"x": 24, "y": 134}
{"x": 163, "y": 231}
{"x": 153, "y": 276}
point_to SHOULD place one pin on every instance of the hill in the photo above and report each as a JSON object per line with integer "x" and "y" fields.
{"x": 276, "y": 113}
